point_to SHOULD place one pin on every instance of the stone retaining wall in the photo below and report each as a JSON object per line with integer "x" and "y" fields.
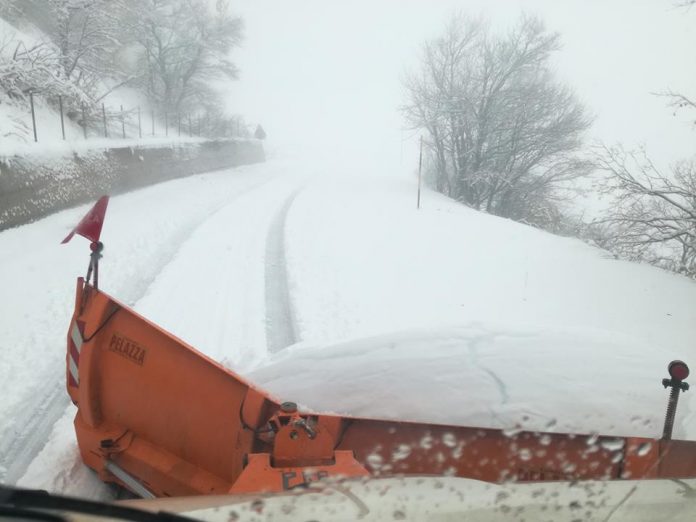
{"x": 33, "y": 187}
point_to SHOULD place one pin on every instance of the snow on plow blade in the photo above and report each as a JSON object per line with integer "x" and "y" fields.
{"x": 161, "y": 419}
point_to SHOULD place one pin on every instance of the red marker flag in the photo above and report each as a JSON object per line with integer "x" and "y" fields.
{"x": 91, "y": 225}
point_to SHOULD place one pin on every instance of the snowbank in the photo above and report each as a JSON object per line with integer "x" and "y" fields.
{"x": 483, "y": 375}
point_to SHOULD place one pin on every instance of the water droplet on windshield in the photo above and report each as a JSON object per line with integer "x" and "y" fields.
{"x": 644, "y": 449}
{"x": 525, "y": 454}
{"x": 612, "y": 444}
{"x": 592, "y": 439}
{"x": 569, "y": 467}
{"x": 258, "y": 505}
{"x": 449, "y": 440}
{"x": 375, "y": 461}
{"x": 427, "y": 442}
{"x": 401, "y": 452}
{"x": 514, "y": 430}
{"x": 500, "y": 496}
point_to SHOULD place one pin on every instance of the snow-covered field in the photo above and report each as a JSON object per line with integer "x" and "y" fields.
{"x": 498, "y": 324}
{"x": 442, "y": 314}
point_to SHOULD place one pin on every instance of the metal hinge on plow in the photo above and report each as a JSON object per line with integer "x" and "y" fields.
{"x": 303, "y": 453}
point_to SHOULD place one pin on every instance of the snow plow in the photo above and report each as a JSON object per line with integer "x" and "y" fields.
{"x": 162, "y": 420}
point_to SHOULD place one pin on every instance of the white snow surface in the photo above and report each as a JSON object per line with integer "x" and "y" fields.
{"x": 513, "y": 326}
{"x": 441, "y": 315}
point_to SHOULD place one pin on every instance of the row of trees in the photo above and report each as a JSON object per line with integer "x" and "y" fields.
{"x": 175, "y": 51}
{"x": 504, "y": 136}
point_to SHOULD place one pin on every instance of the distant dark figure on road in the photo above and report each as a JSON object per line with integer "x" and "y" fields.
{"x": 259, "y": 133}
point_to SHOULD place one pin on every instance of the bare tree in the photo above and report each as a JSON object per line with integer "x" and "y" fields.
{"x": 32, "y": 68}
{"x": 653, "y": 213}
{"x": 503, "y": 134}
{"x": 88, "y": 34}
{"x": 652, "y": 216}
{"x": 85, "y": 37}
{"x": 184, "y": 48}
{"x": 679, "y": 102}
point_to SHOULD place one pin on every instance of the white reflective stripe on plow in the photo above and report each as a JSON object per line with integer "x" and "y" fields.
{"x": 129, "y": 480}
{"x": 72, "y": 366}
{"x": 76, "y": 337}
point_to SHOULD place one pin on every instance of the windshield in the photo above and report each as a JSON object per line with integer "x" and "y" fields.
{"x": 357, "y": 239}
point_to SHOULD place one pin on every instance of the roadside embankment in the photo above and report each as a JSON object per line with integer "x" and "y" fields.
{"x": 33, "y": 186}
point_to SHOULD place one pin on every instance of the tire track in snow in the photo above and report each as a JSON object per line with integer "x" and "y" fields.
{"x": 281, "y": 330}
{"x": 33, "y": 425}
{"x": 172, "y": 248}
{"x": 30, "y": 431}
{"x": 475, "y": 359}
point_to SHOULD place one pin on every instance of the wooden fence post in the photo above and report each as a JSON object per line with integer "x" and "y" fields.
{"x": 106, "y": 131}
{"x": 62, "y": 122}
{"x": 33, "y": 116}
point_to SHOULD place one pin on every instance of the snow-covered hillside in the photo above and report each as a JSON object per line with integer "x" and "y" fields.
{"x": 473, "y": 319}
{"x": 440, "y": 314}
{"x": 16, "y": 129}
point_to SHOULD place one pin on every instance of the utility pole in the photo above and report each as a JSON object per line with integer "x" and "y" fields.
{"x": 420, "y": 169}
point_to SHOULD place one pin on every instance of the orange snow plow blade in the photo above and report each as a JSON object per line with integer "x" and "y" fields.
{"x": 161, "y": 419}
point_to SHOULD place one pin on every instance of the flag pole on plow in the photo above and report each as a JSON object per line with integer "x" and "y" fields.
{"x": 90, "y": 227}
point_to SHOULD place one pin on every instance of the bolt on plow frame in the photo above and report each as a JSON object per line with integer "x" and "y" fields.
{"x": 161, "y": 419}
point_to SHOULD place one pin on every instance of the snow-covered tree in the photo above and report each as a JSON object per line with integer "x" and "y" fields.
{"x": 653, "y": 214}
{"x": 502, "y": 132}
{"x": 83, "y": 37}
{"x": 32, "y": 67}
{"x": 176, "y": 51}
{"x": 183, "y": 49}
{"x": 89, "y": 35}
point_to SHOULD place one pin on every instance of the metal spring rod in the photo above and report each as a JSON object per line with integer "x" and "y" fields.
{"x": 671, "y": 413}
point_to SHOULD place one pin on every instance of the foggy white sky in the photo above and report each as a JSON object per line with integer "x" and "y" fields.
{"x": 318, "y": 72}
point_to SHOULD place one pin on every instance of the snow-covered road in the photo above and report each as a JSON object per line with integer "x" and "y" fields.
{"x": 158, "y": 259}
{"x": 440, "y": 315}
